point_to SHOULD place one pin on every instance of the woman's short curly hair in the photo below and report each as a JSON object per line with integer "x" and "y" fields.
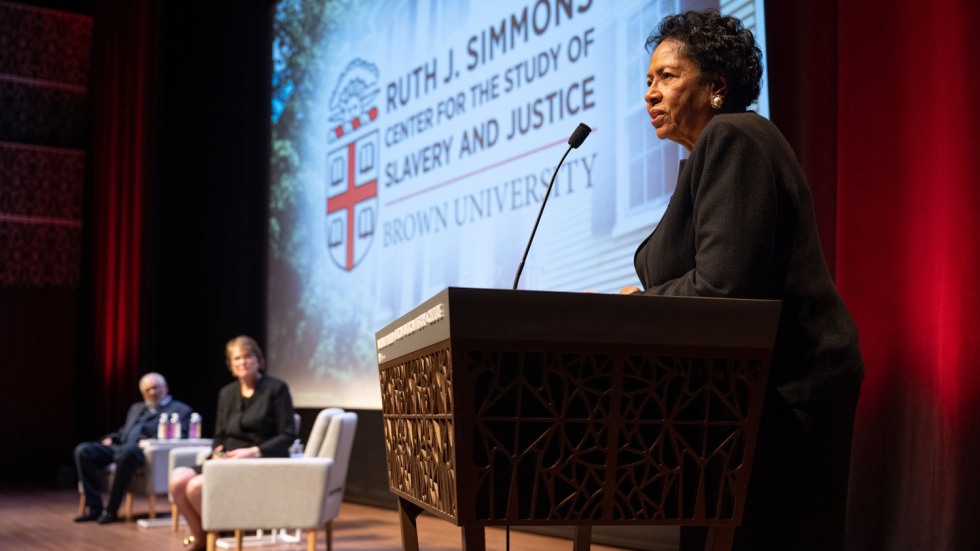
{"x": 720, "y": 46}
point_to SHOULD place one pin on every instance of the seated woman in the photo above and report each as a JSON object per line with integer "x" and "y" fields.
{"x": 255, "y": 418}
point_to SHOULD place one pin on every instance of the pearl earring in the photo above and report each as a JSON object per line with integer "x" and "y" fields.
{"x": 717, "y": 101}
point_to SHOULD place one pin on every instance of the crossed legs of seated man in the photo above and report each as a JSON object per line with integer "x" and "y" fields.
{"x": 121, "y": 448}
{"x": 90, "y": 459}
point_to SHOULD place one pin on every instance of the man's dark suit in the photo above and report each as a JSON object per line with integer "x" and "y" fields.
{"x": 91, "y": 457}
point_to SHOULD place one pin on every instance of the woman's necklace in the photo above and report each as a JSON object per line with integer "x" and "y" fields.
{"x": 248, "y": 391}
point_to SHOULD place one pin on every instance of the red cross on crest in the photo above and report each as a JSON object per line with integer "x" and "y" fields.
{"x": 352, "y": 199}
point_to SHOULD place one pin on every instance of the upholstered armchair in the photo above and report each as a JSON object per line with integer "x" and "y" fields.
{"x": 191, "y": 456}
{"x": 271, "y": 493}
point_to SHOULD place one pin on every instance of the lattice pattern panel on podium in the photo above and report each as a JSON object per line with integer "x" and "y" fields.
{"x": 604, "y": 438}
{"x": 574, "y": 437}
{"x": 417, "y": 405}
{"x": 571, "y": 437}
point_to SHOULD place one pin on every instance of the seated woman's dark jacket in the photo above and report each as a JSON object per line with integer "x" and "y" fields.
{"x": 266, "y": 419}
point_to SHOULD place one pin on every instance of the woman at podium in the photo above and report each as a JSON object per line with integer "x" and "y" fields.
{"x": 741, "y": 224}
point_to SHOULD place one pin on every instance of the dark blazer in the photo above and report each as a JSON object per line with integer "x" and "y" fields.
{"x": 147, "y": 421}
{"x": 741, "y": 224}
{"x": 264, "y": 420}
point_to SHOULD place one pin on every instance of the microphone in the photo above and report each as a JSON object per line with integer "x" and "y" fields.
{"x": 576, "y": 139}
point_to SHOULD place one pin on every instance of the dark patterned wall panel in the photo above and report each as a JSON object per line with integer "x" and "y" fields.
{"x": 43, "y": 115}
{"x": 45, "y": 45}
{"x": 39, "y": 255}
{"x": 41, "y": 182}
{"x": 44, "y": 69}
{"x": 40, "y": 215}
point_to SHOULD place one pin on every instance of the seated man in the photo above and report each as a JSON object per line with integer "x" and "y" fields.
{"x": 121, "y": 448}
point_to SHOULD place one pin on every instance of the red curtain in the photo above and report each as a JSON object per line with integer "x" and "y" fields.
{"x": 121, "y": 101}
{"x": 908, "y": 266}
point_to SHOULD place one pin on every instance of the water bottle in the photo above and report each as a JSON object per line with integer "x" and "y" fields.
{"x": 194, "y": 427}
{"x": 296, "y": 450}
{"x": 175, "y": 426}
{"x": 163, "y": 427}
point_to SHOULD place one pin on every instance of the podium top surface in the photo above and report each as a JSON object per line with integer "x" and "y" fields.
{"x": 547, "y": 316}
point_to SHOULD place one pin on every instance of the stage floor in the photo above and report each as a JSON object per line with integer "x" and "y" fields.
{"x": 41, "y": 520}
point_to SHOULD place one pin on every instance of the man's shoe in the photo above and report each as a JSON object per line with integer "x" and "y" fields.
{"x": 108, "y": 518}
{"x": 89, "y": 515}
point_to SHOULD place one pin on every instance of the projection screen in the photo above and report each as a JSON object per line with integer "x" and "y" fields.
{"x": 411, "y": 146}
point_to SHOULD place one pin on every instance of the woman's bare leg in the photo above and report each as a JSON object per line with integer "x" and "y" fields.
{"x": 185, "y": 487}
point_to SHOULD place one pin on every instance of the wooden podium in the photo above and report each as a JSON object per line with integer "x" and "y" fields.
{"x": 544, "y": 408}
